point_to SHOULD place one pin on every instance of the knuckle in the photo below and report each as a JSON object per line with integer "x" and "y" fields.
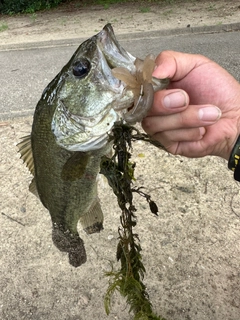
{"x": 147, "y": 125}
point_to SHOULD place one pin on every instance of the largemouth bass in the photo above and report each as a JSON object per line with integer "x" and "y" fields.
{"x": 77, "y": 110}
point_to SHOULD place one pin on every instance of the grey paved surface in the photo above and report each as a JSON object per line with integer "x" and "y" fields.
{"x": 191, "y": 251}
{"x": 26, "y": 72}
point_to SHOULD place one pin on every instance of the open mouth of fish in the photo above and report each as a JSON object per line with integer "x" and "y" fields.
{"x": 129, "y": 78}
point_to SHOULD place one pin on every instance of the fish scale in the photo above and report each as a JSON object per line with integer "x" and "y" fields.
{"x": 70, "y": 133}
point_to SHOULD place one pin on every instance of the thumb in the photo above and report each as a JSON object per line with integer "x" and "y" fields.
{"x": 176, "y": 65}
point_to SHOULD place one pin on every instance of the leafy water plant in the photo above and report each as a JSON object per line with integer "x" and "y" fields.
{"x": 119, "y": 171}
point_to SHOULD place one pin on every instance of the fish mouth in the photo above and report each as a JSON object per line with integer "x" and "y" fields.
{"x": 115, "y": 56}
{"x": 78, "y": 133}
{"x": 114, "y": 53}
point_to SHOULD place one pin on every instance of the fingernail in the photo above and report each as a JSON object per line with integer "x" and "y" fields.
{"x": 175, "y": 100}
{"x": 209, "y": 113}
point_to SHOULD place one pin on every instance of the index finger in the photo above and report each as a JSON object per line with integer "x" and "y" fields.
{"x": 176, "y": 65}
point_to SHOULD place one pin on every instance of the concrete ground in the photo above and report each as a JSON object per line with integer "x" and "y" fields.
{"x": 191, "y": 251}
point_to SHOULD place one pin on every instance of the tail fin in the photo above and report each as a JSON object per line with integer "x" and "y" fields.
{"x": 73, "y": 244}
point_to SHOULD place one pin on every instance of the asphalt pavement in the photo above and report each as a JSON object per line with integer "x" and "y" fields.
{"x": 27, "y": 69}
{"x": 191, "y": 251}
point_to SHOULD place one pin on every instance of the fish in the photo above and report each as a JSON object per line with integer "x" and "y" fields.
{"x": 100, "y": 84}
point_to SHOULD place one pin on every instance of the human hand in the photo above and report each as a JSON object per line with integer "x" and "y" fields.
{"x": 199, "y": 113}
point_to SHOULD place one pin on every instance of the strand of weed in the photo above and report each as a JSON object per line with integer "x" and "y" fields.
{"x": 128, "y": 281}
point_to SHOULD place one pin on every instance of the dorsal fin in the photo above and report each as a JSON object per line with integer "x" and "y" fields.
{"x": 25, "y": 149}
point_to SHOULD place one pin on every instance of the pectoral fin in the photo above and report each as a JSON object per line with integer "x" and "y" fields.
{"x": 75, "y": 166}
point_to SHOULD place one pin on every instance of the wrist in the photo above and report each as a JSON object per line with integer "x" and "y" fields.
{"x": 234, "y": 159}
{"x": 232, "y": 137}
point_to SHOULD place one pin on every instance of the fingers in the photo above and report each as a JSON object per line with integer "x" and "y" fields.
{"x": 169, "y": 101}
{"x": 188, "y": 137}
{"x": 176, "y": 65}
{"x": 185, "y": 135}
{"x": 184, "y": 118}
{"x": 192, "y": 117}
{"x": 187, "y": 132}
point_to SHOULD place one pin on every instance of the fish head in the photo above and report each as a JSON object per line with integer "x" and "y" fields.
{"x": 87, "y": 95}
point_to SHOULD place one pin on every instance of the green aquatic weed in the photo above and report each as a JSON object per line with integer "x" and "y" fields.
{"x": 119, "y": 171}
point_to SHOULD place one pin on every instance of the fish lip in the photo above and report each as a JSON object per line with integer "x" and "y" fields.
{"x": 114, "y": 53}
{"x": 115, "y": 84}
{"x": 109, "y": 31}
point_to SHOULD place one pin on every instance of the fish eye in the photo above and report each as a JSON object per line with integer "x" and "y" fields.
{"x": 81, "y": 68}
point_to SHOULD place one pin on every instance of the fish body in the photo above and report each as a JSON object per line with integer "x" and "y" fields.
{"x": 70, "y": 134}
